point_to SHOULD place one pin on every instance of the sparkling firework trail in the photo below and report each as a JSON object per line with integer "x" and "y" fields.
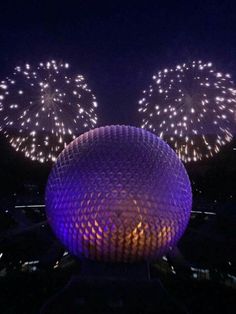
{"x": 43, "y": 108}
{"x": 192, "y": 107}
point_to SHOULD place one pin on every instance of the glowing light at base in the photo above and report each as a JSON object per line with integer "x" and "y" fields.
{"x": 118, "y": 193}
{"x": 44, "y": 107}
{"x": 192, "y": 107}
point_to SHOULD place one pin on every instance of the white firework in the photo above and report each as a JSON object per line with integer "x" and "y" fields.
{"x": 43, "y": 108}
{"x": 192, "y": 107}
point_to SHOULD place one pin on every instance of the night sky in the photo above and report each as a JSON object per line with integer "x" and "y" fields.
{"x": 118, "y": 45}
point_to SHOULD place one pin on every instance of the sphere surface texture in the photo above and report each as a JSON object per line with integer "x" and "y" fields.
{"x": 118, "y": 193}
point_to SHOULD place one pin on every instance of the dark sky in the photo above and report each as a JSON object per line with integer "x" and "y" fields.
{"x": 118, "y": 45}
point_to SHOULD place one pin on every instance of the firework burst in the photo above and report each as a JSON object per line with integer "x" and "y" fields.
{"x": 43, "y": 108}
{"x": 192, "y": 107}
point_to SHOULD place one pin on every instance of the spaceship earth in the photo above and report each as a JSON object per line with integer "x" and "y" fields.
{"x": 120, "y": 194}
{"x": 191, "y": 106}
{"x": 44, "y": 107}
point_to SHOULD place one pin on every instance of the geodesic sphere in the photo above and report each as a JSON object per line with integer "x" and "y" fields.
{"x": 118, "y": 193}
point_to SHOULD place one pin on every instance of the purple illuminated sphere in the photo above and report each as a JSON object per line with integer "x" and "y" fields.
{"x": 118, "y": 193}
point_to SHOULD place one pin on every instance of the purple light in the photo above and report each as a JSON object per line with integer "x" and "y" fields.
{"x": 118, "y": 193}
